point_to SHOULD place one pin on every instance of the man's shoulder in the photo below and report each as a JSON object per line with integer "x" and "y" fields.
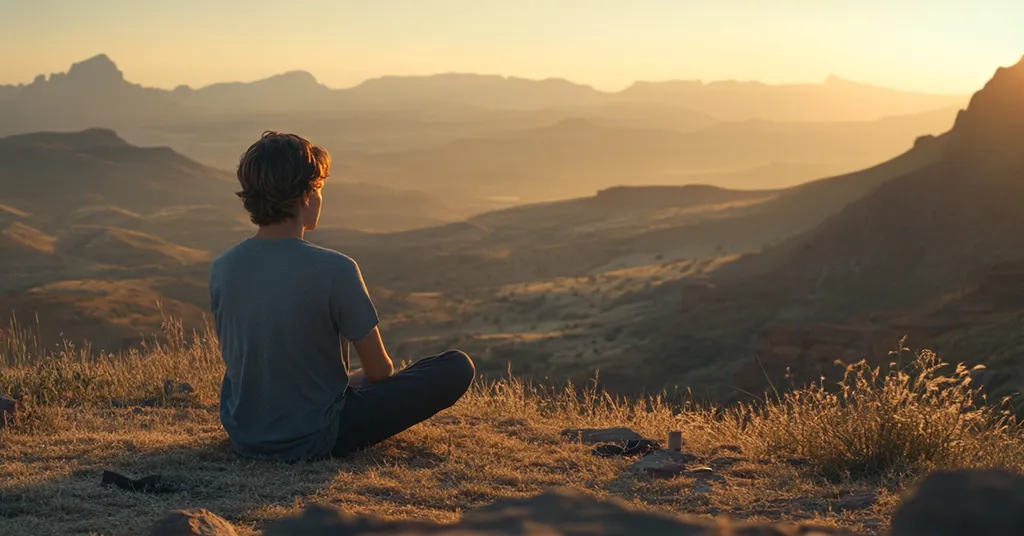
{"x": 301, "y": 251}
{"x": 329, "y": 255}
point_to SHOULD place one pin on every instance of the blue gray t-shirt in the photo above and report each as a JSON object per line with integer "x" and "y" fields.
{"x": 282, "y": 309}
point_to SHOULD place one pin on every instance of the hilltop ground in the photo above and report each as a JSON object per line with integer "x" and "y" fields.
{"x": 808, "y": 457}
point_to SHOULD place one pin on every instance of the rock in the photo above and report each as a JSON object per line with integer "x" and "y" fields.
{"x": 591, "y": 436}
{"x": 726, "y": 461}
{"x": 989, "y": 502}
{"x": 146, "y": 484}
{"x": 173, "y": 389}
{"x": 855, "y": 500}
{"x": 703, "y": 473}
{"x": 701, "y": 488}
{"x": 798, "y": 462}
{"x": 735, "y": 449}
{"x": 663, "y": 463}
{"x": 199, "y": 522}
{"x": 8, "y": 407}
{"x": 557, "y": 512}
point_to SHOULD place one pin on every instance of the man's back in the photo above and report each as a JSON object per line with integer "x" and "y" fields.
{"x": 280, "y": 308}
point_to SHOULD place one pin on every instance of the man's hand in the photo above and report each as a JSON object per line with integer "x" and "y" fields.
{"x": 377, "y": 364}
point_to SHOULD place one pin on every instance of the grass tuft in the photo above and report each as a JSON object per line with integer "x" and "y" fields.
{"x": 898, "y": 420}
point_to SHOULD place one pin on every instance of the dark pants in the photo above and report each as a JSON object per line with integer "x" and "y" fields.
{"x": 378, "y": 411}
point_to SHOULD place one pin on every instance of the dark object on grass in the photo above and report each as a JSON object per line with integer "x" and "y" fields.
{"x": 633, "y": 447}
{"x": 8, "y": 406}
{"x": 591, "y": 436}
{"x": 146, "y": 484}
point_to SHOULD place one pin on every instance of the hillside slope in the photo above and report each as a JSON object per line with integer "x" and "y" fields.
{"x": 915, "y": 239}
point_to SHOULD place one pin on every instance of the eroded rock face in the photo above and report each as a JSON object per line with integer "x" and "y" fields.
{"x": 948, "y": 503}
{"x": 199, "y": 522}
{"x": 554, "y": 513}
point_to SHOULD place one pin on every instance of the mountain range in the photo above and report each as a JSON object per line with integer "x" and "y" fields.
{"x": 96, "y": 88}
{"x": 482, "y": 142}
{"x": 576, "y": 156}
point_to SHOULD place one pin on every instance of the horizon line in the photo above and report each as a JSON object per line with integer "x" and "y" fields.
{"x": 830, "y": 77}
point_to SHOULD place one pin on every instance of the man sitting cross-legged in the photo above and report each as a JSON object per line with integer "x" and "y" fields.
{"x": 283, "y": 309}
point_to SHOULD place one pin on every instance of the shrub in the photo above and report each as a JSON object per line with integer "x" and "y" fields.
{"x": 900, "y": 419}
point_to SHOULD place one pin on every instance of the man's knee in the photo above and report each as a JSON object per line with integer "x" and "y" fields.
{"x": 459, "y": 368}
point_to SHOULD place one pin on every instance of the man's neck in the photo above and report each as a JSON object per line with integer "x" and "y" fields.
{"x": 281, "y": 231}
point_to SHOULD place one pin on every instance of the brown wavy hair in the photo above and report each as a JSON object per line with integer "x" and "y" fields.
{"x": 275, "y": 173}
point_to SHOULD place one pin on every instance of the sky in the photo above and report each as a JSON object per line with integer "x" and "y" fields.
{"x": 940, "y": 46}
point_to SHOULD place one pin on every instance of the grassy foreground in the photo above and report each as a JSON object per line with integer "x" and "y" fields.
{"x": 841, "y": 456}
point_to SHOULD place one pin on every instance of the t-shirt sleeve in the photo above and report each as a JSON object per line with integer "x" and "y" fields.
{"x": 352, "y": 310}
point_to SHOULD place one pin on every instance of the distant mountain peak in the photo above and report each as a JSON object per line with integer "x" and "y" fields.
{"x": 294, "y": 77}
{"x": 97, "y": 69}
{"x": 83, "y": 139}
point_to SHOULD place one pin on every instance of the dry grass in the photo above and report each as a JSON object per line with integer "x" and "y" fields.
{"x": 82, "y": 413}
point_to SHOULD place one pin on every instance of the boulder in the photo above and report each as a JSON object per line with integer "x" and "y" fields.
{"x": 989, "y": 502}
{"x": 199, "y": 522}
{"x": 559, "y": 512}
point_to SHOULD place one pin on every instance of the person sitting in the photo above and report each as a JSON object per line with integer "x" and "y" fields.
{"x": 285, "y": 310}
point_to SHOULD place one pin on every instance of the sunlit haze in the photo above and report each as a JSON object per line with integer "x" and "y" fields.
{"x": 944, "y": 46}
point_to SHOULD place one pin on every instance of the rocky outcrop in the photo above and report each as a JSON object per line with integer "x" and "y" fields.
{"x": 957, "y": 503}
{"x": 989, "y": 502}
{"x": 557, "y": 512}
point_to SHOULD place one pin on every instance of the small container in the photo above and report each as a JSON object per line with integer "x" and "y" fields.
{"x": 675, "y": 440}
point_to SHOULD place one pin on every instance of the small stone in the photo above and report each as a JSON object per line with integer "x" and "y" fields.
{"x": 176, "y": 389}
{"x": 798, "y": 462}
{"x": 858, "y": 500}
{"x": 199, "y": 522}
{"x": 663, "y": 463}
{"x": 446, "y": 419}
{"x": 725, "y": 461}
{"x": 702, "y": 488}
{"x": 592, "y": 436}
{"x": 735, "y": 449}
{"x": 747, "y": 474}
{"x": 703, "y": 473}
{"x": 8, "y": 407}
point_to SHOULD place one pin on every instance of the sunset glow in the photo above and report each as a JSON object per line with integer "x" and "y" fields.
{"x": 945, "y": 46}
